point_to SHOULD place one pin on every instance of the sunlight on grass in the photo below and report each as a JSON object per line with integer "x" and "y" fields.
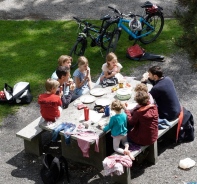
{"x": 30, "y": 52}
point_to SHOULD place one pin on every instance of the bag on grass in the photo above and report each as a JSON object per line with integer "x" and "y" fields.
{"x": 53, "y": 169}
{"x": 135, "y": 52}
{"x": 20, "y": 93}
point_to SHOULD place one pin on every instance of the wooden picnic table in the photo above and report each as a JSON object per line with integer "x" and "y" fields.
{"x": 73, "y": 115}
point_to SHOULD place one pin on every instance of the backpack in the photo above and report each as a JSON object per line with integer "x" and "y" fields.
{"x": 19, "y": 94}
{"x": 53, "y": 169}
{"x": 135, "y": 52}
{"x": 186, "y": 131}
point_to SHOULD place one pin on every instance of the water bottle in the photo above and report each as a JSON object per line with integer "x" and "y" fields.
{"x": 86, "y": 113}
{"x": 107, "y": 110}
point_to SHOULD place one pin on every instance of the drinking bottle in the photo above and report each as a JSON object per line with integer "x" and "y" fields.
{"x": 107, "y": 110}
{"x": 86, "y": 113}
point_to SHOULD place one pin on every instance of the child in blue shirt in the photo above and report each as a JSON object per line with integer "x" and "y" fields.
{"x": 118, "y": 127}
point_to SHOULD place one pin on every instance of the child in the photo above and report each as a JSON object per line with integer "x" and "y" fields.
{"x": 50, "y": 103}
{"x": 111, "y": 67}
{"x": 143, "y": 87}
{"x": 82, "y": 77}
{"x": 66, "y": 61}
{"x": 63, "y": 74}
{"x": 118, "y": 126}
{"x": 63, "y": 60}
{"x": 144, "y": 121}
{"x": 162, "y": 123}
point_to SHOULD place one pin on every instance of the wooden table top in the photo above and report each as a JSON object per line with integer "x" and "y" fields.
{"x": 73, "y": 115}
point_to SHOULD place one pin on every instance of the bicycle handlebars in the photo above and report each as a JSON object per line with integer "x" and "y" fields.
{"x": 87, "y": 24}
{"x": 122, "y": 14}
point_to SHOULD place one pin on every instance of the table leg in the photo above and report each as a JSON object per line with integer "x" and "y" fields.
{"x": 73, "y": 152}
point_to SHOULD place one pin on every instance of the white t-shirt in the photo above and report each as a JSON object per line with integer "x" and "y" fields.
{"x": 106, "y": 69}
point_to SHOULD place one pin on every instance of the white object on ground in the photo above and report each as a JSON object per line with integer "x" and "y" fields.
{"x": 186, "y": 163}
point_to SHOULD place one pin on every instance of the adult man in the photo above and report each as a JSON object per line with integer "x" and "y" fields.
{"x": 164, "y": 93}
{"x": 63, "y": 74}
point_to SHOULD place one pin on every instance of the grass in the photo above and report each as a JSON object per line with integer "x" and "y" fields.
{"x": 29, "y": 51}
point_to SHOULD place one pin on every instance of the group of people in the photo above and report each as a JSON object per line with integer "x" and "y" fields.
{"x": 139, "y": 125}
{"x": 61, "y": 89}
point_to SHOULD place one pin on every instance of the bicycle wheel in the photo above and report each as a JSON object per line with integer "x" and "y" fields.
{"x": 113, "y": 42}
{"x": 106, "y": 35}
{"x": 157, "y": 21}
{"x": 78, "y": 50}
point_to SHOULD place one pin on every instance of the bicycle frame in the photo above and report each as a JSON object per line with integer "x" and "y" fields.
{"x": 131, "y": 33}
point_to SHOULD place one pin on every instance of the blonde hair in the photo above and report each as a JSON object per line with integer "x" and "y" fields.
{"x": 141, "y": 87}
{"x": 142, "y": 98}
{"x": 64, "y": 58}
{"x": 110, "y": 57}
{"x": 82, "y": 60}
{"x": 51, "y": 84}
{"x": 116, "y": 105}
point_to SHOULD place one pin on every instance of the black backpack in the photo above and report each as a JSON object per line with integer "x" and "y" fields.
{"x": 19, "y": 94}
{"x": 53, "y": 169}
{"x": 186, "y": 132}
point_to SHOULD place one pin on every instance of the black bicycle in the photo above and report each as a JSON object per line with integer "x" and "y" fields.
{"x": 99, "y": 37}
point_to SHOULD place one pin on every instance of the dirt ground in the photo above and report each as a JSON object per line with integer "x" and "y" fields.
{"x": 19, "y": 167}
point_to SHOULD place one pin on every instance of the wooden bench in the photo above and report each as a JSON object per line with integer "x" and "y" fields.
{"x": 152, "y": 154}
{"x": 32, "y": 137}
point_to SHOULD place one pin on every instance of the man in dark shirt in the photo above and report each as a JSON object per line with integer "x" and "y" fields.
{"x": 164, "y": 93}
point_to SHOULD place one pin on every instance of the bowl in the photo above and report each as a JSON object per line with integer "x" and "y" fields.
{"x": 123, "y": 94}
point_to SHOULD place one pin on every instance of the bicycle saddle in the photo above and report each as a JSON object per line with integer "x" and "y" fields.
{"x": 147, "y": 4}
{"x": 106, "y": 17}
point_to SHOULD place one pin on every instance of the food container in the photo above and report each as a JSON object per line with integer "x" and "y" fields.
{"x": 123, "y": 94}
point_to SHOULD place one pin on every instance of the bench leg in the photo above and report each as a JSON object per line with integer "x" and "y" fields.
{"x": 34, "y": 146}
{"x": 153, "y": 153}
{"x": 124, "y": 178}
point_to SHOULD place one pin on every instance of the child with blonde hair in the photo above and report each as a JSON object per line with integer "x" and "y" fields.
{"x": 82, "y": 77}
{"x": 143, "y": 87}
{"x": 50, "y": 103}
{"x": 118, "y": 127}
{"x": 111, "y": 67}
{"x": 63, "y": 60}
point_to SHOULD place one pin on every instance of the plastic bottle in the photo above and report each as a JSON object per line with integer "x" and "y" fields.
{"x": 107, "y": 110}
{"x": 86, "y": 113}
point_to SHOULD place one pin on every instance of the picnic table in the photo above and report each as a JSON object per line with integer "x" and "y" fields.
{"x": 73, "y": 115}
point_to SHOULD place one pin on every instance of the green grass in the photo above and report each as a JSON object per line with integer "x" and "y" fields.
{"x": 29, "y": 51}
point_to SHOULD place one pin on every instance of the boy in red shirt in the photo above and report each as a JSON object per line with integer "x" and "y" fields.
{"x": 50, "y": 103}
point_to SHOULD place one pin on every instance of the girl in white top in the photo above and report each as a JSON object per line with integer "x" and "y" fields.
{"x": 111, "y": 67}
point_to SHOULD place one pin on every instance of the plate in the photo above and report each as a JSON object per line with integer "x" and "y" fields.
{"x": 87, "y": 99}
{"x": 97, "y": 91}
{"x": 103, "y": 101}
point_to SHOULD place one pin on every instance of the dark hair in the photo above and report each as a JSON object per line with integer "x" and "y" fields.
{"x": 62, "y": 71}
{"x": 156, "y": 70}
{"x": 142, "y": 98}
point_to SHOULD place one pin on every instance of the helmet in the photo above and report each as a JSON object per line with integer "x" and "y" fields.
{"x": 135, "y": 25}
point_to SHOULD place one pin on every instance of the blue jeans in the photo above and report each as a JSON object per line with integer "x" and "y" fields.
{"x": 67, "y": 127}
{"x": 163, "y": 123}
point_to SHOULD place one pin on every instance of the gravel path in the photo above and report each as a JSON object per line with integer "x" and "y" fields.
{"x": 18, "y": 167}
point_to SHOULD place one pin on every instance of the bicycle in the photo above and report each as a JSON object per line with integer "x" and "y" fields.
{"x": 145, "y": 28}
{"x": 98, "y": 35}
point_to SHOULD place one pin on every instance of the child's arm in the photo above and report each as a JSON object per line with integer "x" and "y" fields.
{"x": 88, "y": 76}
